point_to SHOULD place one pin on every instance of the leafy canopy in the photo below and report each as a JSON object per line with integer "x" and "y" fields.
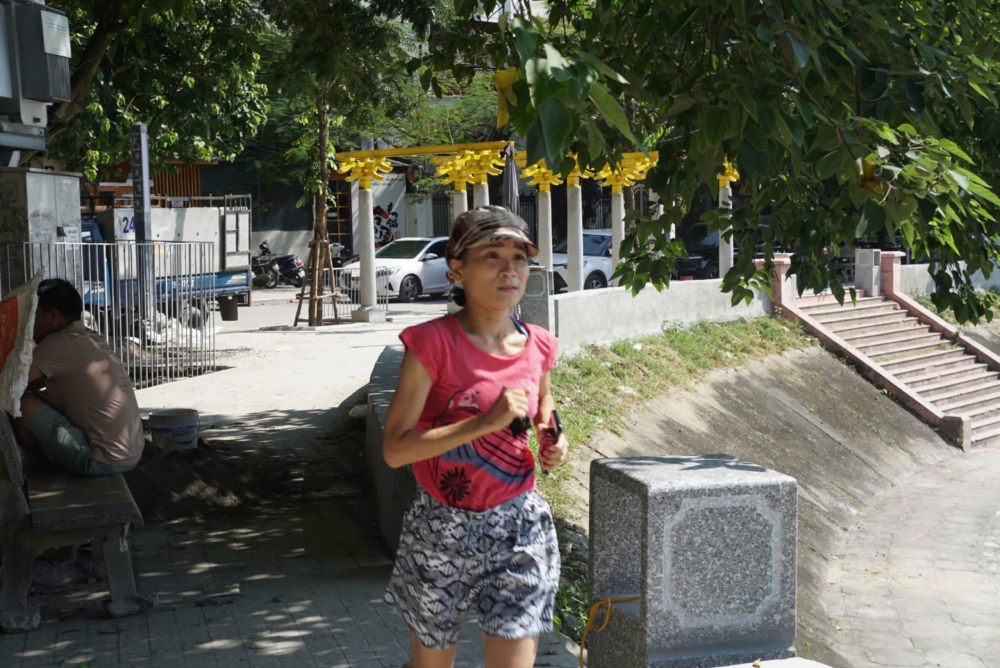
{"x": 847, "y": 119}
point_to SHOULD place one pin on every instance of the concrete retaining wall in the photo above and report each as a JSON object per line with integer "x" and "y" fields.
{"x": 393, "y": 487}
{"x": 613, "y": 314}
{"x": 916, "y": 280}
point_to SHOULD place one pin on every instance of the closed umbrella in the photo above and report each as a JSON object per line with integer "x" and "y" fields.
{"x": 510, "y": 197}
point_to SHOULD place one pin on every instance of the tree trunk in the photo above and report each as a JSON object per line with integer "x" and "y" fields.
{"x": 320, "y": 252}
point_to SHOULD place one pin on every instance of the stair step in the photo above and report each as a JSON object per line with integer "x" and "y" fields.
{"x": 979, "y": 412}
{"x": 850, "y": 328}
{"x": 863, "y": 307}
{"x": 985, "y": 437}
{"x": 962, "y": 389}
{"x": 942, "y": 383}
{"x": 861, "y": 303}
{"x": 960, "y": 368}
{"x": 862, "y": 319}
{"x": 901, "y": 343}
{"x": 960, "y": 406}
{"x": 873, "y": 333}
{"x": 921, "y": 362}
{"x": 984, "y": 422}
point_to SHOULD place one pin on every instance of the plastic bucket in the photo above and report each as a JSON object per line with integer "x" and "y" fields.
{"x": 229, "y": 308}
{"x": 174, "y": 429}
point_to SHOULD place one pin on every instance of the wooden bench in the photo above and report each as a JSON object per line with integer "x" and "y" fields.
{"x": 56, "y": 510}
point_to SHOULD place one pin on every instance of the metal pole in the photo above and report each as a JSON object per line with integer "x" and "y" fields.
{"x": 617, "y": 226}
{"x": 142, "y": 210}
{"x": 574, "y": 237}
{"x": 545, "y": 232}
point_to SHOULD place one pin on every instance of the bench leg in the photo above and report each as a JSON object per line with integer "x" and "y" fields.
{"x": 15, "y": 614}
{"x": 121, "y": 581}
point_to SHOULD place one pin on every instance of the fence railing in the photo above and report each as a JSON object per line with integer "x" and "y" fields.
{"x": 346, "y": 284}
{"x": 153, "y": 302}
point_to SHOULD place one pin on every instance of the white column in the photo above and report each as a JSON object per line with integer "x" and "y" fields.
{"x": 480, "y": 194}
{"x": 725, "y": 246}
{"x": 545, "y": 232}
{"x": 654, "y": 198}
{"x": 574, "y": 237}
{"x": 459, "y": 203}
{"x": 617, "y": 227}
{"x": 366, "y": 261}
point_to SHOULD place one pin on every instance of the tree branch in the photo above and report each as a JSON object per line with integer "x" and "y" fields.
{"x": 83, "y": 76}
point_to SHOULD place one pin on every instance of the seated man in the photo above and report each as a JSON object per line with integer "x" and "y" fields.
{"x": 87, "y": 420}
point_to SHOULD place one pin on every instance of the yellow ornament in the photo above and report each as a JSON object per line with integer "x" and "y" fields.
{"x": 504, "y": 81}
{"x": 729, "y": 174}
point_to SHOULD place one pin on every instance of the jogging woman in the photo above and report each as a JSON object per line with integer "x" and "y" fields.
{"x": 478, "y": 539}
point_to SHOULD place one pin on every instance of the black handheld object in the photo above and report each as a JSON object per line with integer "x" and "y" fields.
{"x": 555, "y": 426}
{"x": 520, "y": 425}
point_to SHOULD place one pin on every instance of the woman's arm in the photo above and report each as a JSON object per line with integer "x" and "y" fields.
{"x": 552, "y": 454}
{"x": 546, "y": 403}
{"x": 402, "y": 444}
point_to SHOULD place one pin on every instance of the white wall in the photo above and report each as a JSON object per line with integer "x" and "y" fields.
{"x": 419, "y": 215}
{"x": 294, "y": 242}
{"x": 916, "y": 281}
{"x": 613, "y": 314}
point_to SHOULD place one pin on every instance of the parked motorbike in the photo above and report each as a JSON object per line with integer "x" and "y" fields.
{"x": 270, "y": 269}
{"x": 339, "y": 254}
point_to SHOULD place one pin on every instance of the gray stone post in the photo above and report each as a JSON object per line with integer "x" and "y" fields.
{"x": 708, "y": 544}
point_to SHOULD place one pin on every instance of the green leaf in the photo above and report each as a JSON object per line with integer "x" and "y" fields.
{"x": 680, "y": 104}
{"x": 557, "y": 66}
{"x": 557, "y": 125}
{"x": 601, "y": 67}
{"x": 611, "y": 110}
{"x": 830, "y": 164}
{"x": 748, "y": 102}
{"x": 765, "y": 34}
{"x": 800, "y": 51}
{"x": 955, "y": 150}
{"x": 716, "y": 125}
{"x": 595, "y": 142}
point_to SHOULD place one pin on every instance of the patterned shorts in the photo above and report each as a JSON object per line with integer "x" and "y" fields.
{"x": 502, "y": 563}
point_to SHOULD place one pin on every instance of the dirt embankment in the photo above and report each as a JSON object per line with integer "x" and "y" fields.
{"x": 805, "y": 414}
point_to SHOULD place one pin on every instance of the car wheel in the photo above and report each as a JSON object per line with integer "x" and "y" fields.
{"x": 595, "y": 281}
{"x": 712, "y": 271}
{"x": 409, "y": 289}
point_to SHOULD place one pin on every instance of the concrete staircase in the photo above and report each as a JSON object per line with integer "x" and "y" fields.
{"x": 915, "y": 356}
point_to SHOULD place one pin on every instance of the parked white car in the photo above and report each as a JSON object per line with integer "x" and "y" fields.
{"x": 597, "y": 268}
{"x": 405, "y": 269}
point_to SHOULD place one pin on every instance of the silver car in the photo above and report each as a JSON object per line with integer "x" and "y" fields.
{"x": 597, "y": 268}
{"x": 406, "y": 268}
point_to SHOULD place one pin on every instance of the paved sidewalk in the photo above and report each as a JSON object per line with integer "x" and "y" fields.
{"x": 297, "y": 581}
{"x": 918, "y": 581}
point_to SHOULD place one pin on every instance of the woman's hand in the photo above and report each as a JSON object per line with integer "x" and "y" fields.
{"x": 511, "y": 404}
{"x": 551, "y": 452}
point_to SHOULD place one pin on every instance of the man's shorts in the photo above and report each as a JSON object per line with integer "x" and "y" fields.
{"x": 66, "y": 445}
{"x": 502, "y": 563}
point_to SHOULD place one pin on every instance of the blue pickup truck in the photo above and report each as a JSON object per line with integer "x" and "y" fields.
{"x": 185, "y": 276}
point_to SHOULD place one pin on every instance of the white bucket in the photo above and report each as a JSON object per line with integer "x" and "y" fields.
{"x": 174, "y": 429}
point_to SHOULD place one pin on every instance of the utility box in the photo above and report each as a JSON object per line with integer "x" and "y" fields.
{"x": 39, "y": 206}
{"x": 536, "y": 305}
{"x": 44, "y": 46}
{"x": 34, "y": 70}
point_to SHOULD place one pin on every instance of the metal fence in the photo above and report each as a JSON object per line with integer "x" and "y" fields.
{"x": 344, "y": 283}
{"x": 153, "y": 302}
